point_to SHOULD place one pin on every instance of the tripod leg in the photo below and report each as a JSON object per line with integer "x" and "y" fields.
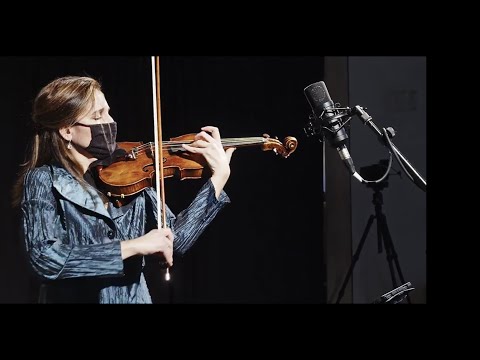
{"x": 355, "y": 258}
{"x": 390, "y": 251}
{"x": 383, "y": 238}
{"x": 379, "y": 236}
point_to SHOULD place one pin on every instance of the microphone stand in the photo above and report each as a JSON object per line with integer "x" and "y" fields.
{"x": 384, "y": 237}
{"x": 382, "y": 229}
{"x": 316, "y": 127}
{"x": 384, "y": 138}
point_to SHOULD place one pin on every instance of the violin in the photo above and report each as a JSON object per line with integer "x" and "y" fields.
{"x": 130, "y": 174}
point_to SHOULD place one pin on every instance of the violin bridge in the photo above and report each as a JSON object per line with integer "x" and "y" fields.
{"x": 132, "y": 155}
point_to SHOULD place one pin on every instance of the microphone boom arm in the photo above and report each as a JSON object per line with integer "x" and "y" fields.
{"x": 384, "y": 138}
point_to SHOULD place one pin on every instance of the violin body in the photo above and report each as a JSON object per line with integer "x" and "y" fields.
{"x": 130, "y": 174}
{"x": 120, "y": 180}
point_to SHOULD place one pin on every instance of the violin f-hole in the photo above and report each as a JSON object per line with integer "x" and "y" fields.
{"x": 148, "y": 168}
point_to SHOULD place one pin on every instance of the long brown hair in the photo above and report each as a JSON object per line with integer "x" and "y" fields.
{"x": 58, "y": 105}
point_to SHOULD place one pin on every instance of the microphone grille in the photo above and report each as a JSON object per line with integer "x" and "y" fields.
{"x": 317, "y": 94}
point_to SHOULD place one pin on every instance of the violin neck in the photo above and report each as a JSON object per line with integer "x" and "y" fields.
{"x": 227, "y": 143}
{"x": 243, "y": 142}
{"x": 177, "y": 145}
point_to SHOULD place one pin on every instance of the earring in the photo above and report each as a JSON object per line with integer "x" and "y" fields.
{"x": 69, "y": 146}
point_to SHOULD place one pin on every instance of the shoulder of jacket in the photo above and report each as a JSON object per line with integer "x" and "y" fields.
{"x": 43, "y": 173}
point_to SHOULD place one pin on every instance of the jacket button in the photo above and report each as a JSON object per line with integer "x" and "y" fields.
{"x": 111, "y": 234}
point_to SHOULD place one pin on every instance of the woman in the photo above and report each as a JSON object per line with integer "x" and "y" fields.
{"x": 83, "y": 248}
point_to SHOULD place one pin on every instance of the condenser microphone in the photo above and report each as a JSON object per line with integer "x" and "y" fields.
{"x": 329, "y": 118}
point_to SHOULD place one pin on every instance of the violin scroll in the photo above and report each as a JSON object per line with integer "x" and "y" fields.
{"x": 289, "y": 145}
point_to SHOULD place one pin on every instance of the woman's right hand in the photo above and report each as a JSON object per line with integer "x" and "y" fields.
{"x": 157, "y": 241}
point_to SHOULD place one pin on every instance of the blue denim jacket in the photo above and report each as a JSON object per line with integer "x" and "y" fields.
{"x": 73, "y": 242}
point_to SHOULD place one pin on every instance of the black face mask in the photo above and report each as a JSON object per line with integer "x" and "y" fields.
{"x": 104, "y": 140}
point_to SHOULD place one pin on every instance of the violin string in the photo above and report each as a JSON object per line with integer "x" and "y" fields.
{"x": 224, "y": 141}
{"x": 177, "y": 145}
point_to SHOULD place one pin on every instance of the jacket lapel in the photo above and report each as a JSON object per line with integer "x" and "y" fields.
{"x": 86, "y": 197}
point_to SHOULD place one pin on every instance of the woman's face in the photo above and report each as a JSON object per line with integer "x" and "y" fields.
{"x": 99, "y": 114}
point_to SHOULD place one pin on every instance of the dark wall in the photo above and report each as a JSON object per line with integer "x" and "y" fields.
{"x": 394, "y": 91}
{"x": 266, "y": 246}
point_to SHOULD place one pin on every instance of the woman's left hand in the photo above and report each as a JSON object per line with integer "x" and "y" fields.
{"x": 209, "y": 144}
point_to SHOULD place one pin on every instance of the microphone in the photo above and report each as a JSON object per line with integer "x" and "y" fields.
{"x": 324, "y": 110}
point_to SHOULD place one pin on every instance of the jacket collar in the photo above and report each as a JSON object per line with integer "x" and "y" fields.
{"x": 84, "y": 196}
